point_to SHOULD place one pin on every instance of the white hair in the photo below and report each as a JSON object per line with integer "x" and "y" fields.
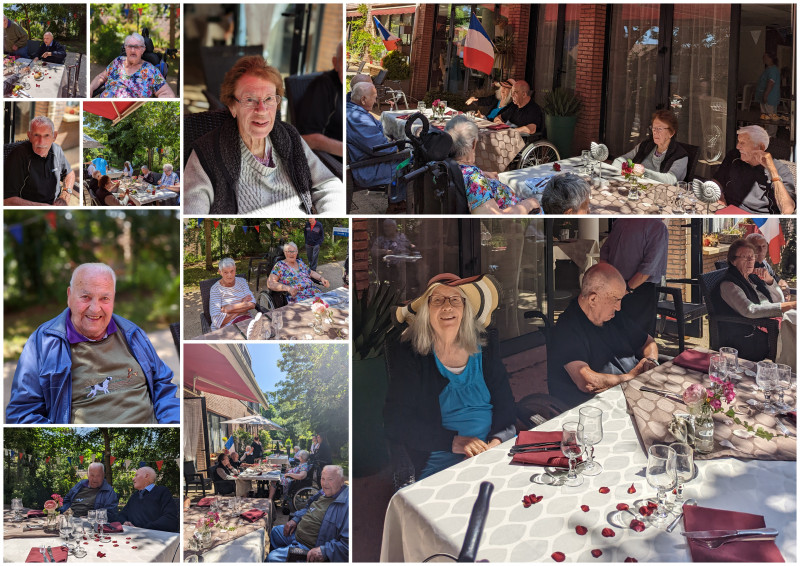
{"x": 464, "y": 133}
{"x": 360, "y": 90}
{"x": 96, "y": 464}
{"x": 226, "y": 262}
{"x": 337, "y": 469}
{"x": 150, "y": 472}
{"x": 168, "y": 166}
{"x": 50, "y": 33}
{"x": 758, "y": 135}
{"x": 135, "y": 36}
{"x": 102, "y": 267}
{"x": 42, "y": 121}
{"x": 290, "y": 245}
{"x": 303, "y": 455}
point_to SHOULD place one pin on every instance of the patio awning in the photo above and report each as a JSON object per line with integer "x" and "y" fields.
{"x": 222, "y": 370}
{"x": 112, "y": 110}
{"x": 256, "y": 420}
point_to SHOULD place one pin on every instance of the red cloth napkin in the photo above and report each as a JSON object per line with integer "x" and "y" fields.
{"x": 696, "y": 518}
{"x": 403, "y": 116}
{"x": 498, "y": 127}
{"x": 553, "y": 457}
{"x": 115, "y": 527}
{"x": 205, "y": 502}
{"x": 732, "y": 211}
{"x": 253, "y": 515}
{"x": 35, "y": 513}
{"x": 60, "y": 553}
{"x": 692, "y": 359}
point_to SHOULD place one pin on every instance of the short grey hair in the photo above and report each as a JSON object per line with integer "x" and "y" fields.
{"x": 226, "y": 262}
{"x": 50, "y": 33}
{"x": 360, "y": 90}
{"x": 288, "y": 245}
{"x": 420, "y": 332}
{"x": 145, "y": 168}
{"x": 564, "y": 192}
{"x": 303, "y": 455}
{"x": 135, "y": 36}
{"x": 42, "y": 121}
{"x": 168, "y": 166}
{"x": 96, "y": 464}
{"x": 464, "y": 133}
{"x": 102, "y": 267}
{"x": 338, "y": 469}
{"x": 757, "y": 134}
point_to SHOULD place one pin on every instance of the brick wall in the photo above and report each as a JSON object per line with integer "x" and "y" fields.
{"x": 589, "y": 72}
{"x": 421, "y": 50}
{"x": 519, "y": 17}
{"x": 330, "y": 35}
{"x": 360, "y": 264}
{"x": 678, "y": 253}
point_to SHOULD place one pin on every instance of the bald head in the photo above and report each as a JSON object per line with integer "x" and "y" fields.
{"x": 359, "y": 78}
{"x": 521, "y": 93}
{"x": 599, "y": 278}
{"x": 602, "y": 291}
{"x": 144, "y": 477}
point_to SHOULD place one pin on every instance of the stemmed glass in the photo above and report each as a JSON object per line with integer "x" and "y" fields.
{"x": 718, "y": 367}
{"x": 92, "y": 518}
{"x": 277, "y": 323}
{"x": 16, "y": 506}
{"x": 592, "y": 420}
{"x": 78, "y": 533}
{"x": 661, "y": 475}
{"x": 102, "y": 519}
{"x": 731, "y": 356}
{"x": 684, "y": 467}
{"x": 572, "y": 447}
{"x": 65, "y": 529}
{"x": 784, "y": 383}
{"x": 767, "y": 380}
{"x": 586, "y": 159}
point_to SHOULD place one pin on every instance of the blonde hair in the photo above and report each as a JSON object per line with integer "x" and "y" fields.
{"x": 420, "y": 332}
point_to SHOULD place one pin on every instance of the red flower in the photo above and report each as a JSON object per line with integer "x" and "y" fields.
{"x": 556, "y": 166}
{"x": 605, "y": 490}
{"x": 100, "y": 554}
{"x": 608, "y": 532}
{"x": 622, "y": 507}
{"x": 645, "y": 510}
{"x": 558, "y": 556}
{"x": 630, "y": 559}
{"x": 632, "y": 489}
{"x": 134, "y": 547}
{"x": 637, "y": 525}
{"x": 581, "y": 530}
{"x": 597, "y": 553}
{"x": 535, "y": 498}
{"x": 585, "y": 508}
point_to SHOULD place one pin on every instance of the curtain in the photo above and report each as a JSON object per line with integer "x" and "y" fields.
{"x": 192, "y": 428}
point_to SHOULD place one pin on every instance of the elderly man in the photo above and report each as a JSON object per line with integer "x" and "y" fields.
{"x": 152, "y": 506}
{"x": 751, "y": 180}
{"x": 320, "y": 122}
{"x": 592, "y": 349}
{"x": 364, "y": 132}
{"x": 15, "y": 39}
{"x": 230, "y": 299}
{"x": 354, "y": 80}
{"x": 92, "y": 493}
{"x": 90, "y": 366}
{"x": 50, "y": 50}
{"x": 496, "y": 101}
{"x": 148, "y": 176}
{"x": 321, "y": 528}
{"x": 34, "y": 171}
{"x": 762, "y": 268}
{"x": 523, "y": 114}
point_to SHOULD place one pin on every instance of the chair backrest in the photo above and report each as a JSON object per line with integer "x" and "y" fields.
{"x": 175, "y": 329}
{"x": 296, "y": 87}
{"x": 95, "y": 200}
{"x": 32, "y": 46}
{"x": 9, "y": 147}
{"x": 378, "y": 79}
{"x": 708, "y": 283}
{"x": 205, "y": 292}
{"x": 188, "y": 468}
{"x": 692, "y": 151}
{"x": 721, "y": 264}
{"x": 216, "y": 61}
{"x": 198, "y": 125}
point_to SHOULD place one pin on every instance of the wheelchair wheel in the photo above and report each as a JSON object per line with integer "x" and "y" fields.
{"x": 265, "y": 301}
{"x": 537, "y": 153}
{"x": 302, "y": 497}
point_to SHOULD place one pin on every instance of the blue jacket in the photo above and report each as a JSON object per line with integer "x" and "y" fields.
{"x": 363, "y": 133}
{"x": 107, "y": 498}
{"x": 334, "y": 533}
{"x": 42, "y": 389}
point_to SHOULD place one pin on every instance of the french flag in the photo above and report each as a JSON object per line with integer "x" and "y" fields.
{"x": 478, "y": 48}
{"x": 770, "y": 228}
{"x": 389, "y": 39}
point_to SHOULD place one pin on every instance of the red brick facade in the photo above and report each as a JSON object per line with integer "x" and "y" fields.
{"x": 360, "y": 263}
{"x": 421, "y": 50}
{"x": 519, "y": 17}
{"x": 589, "y": 72}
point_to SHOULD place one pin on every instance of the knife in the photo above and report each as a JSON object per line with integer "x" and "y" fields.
{"x": 668, "y": 394}
{"x": 50, "y": 552}
{"x": 530, "y": 450}
{"x": 782, "y": 428}
{"x": 765, "y": 532}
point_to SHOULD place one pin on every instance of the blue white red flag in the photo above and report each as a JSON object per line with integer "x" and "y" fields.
{"x": 229, "y": 444}
{"x": 478, "y": 48}
{"x": 770, "y": 228}
{"x": 390, "y": 40}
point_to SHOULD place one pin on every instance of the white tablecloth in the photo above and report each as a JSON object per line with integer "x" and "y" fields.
{"x": 244, "y": 482}
{"x": 151, "y": 546}
{"x": 431, "y": 515}
{"x": 49, "y": 86}
{"x": 249, "y": 548}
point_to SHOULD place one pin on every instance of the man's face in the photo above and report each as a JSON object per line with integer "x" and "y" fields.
{"x": 749, "y": 150}
{"x": 142, "y": 479}
{"x": 607, "y": 302}
{"x": 330, "y": 481}
{"x": 95, "y": 476}
{"x": 368, "y": 101}
{"x": 145, "y": 170}
{"x": 761, "y": 246}
{"x": 518, "y": 95}
{"x": 228, "y": 275}
{"x": 5, "y": 22}
{"x": 91, "y": 302}
{"x": 42, "y": 138}
{"x": 48, "y": 39}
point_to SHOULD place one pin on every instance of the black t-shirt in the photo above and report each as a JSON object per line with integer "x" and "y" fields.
{"x": 321, "y": 109}
{"x": 531, "y": 113}
{"x": 32, "y": 177}
{"x": 611, "y": 348}
{"x": 101, "y": 195}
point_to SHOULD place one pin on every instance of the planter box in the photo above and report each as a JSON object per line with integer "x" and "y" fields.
{"x": 560, "y": 132}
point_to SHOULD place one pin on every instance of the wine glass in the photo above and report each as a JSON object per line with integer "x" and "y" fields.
{"x": 592, "y": 420}
{"x": 421, "y": 106}
{"x": 79, "y": 532}
{"x": 732, "y": 359}
{"x": 661, "y": 475}
{"x": 277, "y": 323}
{"x": 65, "y": 529}
{"x": 684, "y": 468}
{"x": 16, "y": 506}
{"x": 586, "y": 158}
{"x": 102, "y": 518}
{"x": 572, "y": 447}
{"x": 92, "y": 518}
{"x": 767, "y": 380}
{"x": 784, "y": 383}
{"x": 717, "y": 367}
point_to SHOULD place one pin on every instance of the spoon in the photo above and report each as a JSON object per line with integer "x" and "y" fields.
{"x": 727, "y": 444}
{"x": 677, "y": 519}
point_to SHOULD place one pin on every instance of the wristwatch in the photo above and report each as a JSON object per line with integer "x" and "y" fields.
{"x": 654, "y": 361}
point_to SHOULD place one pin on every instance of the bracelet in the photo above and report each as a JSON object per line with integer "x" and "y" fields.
{"x": 654, "y": 361}
{"x": 777, "y": 180}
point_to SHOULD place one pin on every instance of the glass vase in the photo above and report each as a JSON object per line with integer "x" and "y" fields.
{"x": 704, "y": 431}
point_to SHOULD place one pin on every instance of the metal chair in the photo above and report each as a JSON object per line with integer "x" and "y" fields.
{"x": 683, "y": 313}
{"x": 222, "y": 487}
{"x": 194, "y": 480}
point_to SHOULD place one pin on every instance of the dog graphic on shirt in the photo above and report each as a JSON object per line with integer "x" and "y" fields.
{"x": 99, "y": 387}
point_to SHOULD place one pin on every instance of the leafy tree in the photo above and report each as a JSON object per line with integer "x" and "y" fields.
{"x": 67, "y": 22}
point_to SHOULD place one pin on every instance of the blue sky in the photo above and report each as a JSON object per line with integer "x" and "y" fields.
{"x": 265, "y": 364}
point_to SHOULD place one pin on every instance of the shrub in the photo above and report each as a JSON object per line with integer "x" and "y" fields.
{"x": 396, "y": 65}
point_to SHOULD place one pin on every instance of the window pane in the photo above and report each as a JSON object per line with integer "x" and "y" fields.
{"x": 569, "y": 60}
{"x": 545, "y": 51}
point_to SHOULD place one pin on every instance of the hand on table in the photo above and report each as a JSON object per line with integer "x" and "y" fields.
{"x": 289, "y": 527}
{"x": 315, "y": 555}
{"x": 469, "y": 446}
{"x": 325, "y": 282}
{"x": 643, "y": 366}
{"x": 128, "y": 524}
{"x": 498, "y": 120}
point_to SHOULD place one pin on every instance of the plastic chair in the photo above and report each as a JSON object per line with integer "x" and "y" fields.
{"x": 678, "y": 310}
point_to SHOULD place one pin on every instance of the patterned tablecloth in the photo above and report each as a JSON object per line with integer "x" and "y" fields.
{"x": 143, "y": 192}
{"x": 49, "y": 86}
{"x": 431, "y": 516}
{"x": 496, "y": 148}
{"x": 612, "y": 197}
{"x": 652, "y": 413}
{"x": 244, "y": 542}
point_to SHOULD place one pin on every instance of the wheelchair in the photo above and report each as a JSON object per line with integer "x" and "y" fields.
{"x": 300, "y": 491}
{"x": 537, "y": 151}
{"x": 269, "y": 300}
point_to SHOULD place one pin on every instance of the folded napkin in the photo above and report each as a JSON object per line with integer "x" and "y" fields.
{"x": 253, "y": 515}
{"x": 732, "y": 211}
{"x": 498, "y": 127}
{"x": 35, "y": 513}
{"x": 403, "y": 116}
{"x": 115, "y": 527}
{"x": 60, "y": 553}
{"x": 696, "y": 518}
{"x": 205, "y": 502}
{"x": 692, "y": 359}
{"x": 553, "y": 457}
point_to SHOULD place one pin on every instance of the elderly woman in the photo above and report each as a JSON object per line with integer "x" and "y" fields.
{"x": 299, "y": 472}
{"x": 448, "y": 397}
{"x": 566, "y": 194}
{"x": 485, "y": 194}
{"x": 254, "y": 163}
{"x": 291, "y": 275}
{"x": 248, "y": 459}
{"x": 129, "y": 76}
{"x": 663, "y": 158}
{"x": 497, "y": 101}
{"x": 127, "y": 169}
{"x": 169, "y": 178}
{"x": 224, "y": 472}
{"x": 103, "y": 192}
{"x": 744, "y": 292}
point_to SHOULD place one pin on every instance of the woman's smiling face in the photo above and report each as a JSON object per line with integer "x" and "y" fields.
{"x": 445, "y": 317}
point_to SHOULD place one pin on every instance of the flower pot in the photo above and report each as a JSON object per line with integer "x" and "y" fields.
{"x": 370, "y": 382}
{"x": 560, "y": 131}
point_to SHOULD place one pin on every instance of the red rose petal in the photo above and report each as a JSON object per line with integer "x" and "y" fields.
{"x": 622, "y": 507}
{"x": 86, "y": 543}
{"x": 632, "y": 489}
{"x": 637, "y": 525}
{"x": 605, "y": 490}
{"x": 630, "y": 559}
{"x": 597, "y": 553}
{"x": 558, "y": 556}
{"x": 608, "y": 532}
{"x": 585, "y": 508}
{"x": 116, "y": 545}
{"x": 652, "y": 505}
{"x": 645, "y": 510}
{"x": 581, "y": 530}
{"x": 134, "y": 547}
{"x": 100, "y": 554}
{"x": 527, "y": 499}
{"x": 526, "y": 505}
{"x": 536, "y": 499}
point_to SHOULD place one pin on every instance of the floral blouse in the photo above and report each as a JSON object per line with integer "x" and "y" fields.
{"x": 144, "y": 83}
{"x": 300, "y": 278}
{"x": 168, "y": 180}
{"x": 481, "y": 189}
{"x": 304, "y": 467}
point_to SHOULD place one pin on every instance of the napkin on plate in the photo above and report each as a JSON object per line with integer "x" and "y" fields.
{"x": 205, "y": 502}
{"x": 60, "y": 553}
{"x": 35, "y": 513}
{"x": 115, "y": 527}
{"x": 553, "y": 457}
{"x": 692, "y": 359}
{"x": 253, "y": 515}
{"x": 696, "y": 518}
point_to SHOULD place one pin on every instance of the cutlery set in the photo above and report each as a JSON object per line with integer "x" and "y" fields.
{"x": 715, "y": 539}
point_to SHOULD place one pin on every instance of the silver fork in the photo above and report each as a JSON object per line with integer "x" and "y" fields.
{"x": 717, "y": 542}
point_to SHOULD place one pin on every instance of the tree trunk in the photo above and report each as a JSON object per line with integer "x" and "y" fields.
{"x": 173, "y": 20}
{"x": 107, "y": 453}
{"x": 207, "y": 229}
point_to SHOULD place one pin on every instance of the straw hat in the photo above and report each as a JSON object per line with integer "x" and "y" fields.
{"x": 480, "y": 290}
{"x": 508, "y": 83}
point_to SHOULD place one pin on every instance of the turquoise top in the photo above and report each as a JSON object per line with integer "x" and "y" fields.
{"x": 771, "y": 73}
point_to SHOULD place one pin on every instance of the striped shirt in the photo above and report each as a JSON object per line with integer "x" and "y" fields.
{"x": 221, "y": 296}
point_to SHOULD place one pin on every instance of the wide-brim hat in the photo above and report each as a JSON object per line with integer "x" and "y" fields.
{"x": 508, "y": 83}
{"x": 480, "y": 290}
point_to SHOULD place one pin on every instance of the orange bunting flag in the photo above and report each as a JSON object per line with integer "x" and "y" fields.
{"x": 159, "y": 463}
{"x": 81, "y": 458}
{"x": 112, "y": 459}
{"x": 258, "y": 229}
{"x": 51, "y": 219}
{"x": 216, "y": 223}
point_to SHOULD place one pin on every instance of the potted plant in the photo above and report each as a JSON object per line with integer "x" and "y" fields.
{"x": 561, "y": 108}
{"x": 398, "y": 71}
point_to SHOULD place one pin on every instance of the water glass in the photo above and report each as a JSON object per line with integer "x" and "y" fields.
{"x": 661, "y": 475}
{"x": 592, "y": 420}
{"x": 586, "y": 159}
{"x": 717, "y": 367}
{"x": 92, "y": 518}
{"x": 277, "y": 323}
{"x": 732, "y": 359}
{"x": 684, "y": 468}
{"x": 102, "y": 519}
{"x": 572, "y": 448}
{"x": 65, "y": 529}
{"x": 16, "y": 506}
{"x": 421, "y": 106}
{"x": 443, "y": 105}
{"x": 784, "y": 383}
{"x": 767, "y": 380}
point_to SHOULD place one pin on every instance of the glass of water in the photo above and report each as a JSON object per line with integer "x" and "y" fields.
{"x": 277, "y": 323}
{"x": 586, "y": 160}
{"x": 421, "y": 106}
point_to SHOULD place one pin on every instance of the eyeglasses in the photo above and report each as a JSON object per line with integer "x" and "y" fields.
{"x": 134, "y": 47}
{"x": 658, "y": 130}
{"x": 746, "y": 257}
{"x": 439, "y": 300}
{"x": 270, "y": 101}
